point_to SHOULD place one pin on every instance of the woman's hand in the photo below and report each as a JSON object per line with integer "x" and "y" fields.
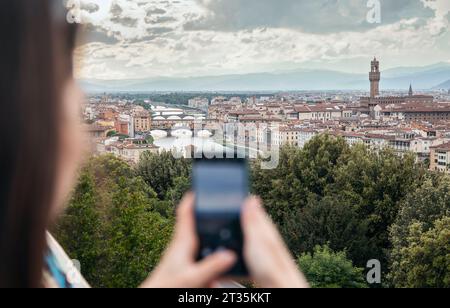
{"x": 268, "y": 260}
{"x": 178, "y": 268}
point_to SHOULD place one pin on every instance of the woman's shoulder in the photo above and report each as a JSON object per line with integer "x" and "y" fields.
{"x": 61, "y": 271}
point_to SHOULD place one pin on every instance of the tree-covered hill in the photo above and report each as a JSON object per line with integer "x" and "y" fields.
{"x": 336, "y": 206}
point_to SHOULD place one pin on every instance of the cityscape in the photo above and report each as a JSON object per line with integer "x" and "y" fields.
{"x": 127, "y": 125}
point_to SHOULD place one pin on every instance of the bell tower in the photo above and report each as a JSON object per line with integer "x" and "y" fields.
{"x": 374, "y": 77}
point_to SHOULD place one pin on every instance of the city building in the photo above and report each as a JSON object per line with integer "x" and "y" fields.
{"x": 416, "y": 112}
{"x": 293, "y": 136}
{"x": 236, "y": 116}
{"x": 107, "y": 114}
{"x": 96, "y": 131}
{"x": 124, "y": 125}
{"x": 440, "y": 158}
{"x": 375, "y": 77}
{"x": 422, "y": 146}
{"x": 288, "y": 136}
{"x": 130, "y": 150}
{"x": 320, "y": 112}
{"x": 142, "y": 122}
{"x": 376, "y": 100}
{"x": 199, "y": 103}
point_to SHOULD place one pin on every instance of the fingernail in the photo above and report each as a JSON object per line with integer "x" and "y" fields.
{"x": 256, "y": 205}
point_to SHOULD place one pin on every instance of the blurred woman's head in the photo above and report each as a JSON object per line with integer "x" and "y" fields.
{"x": 40, "y": 141}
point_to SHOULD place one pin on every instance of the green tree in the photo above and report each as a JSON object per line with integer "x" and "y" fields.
{"x": 331, "y": 221}
{"x": 160, "y": 171}
{"x": 300, "y": 172}
{"x": 181, "y": 185}
{"x": 275, "y": 186}
{"x": 137, "y": 235}
{"x": 112, "y": 225}
{"x": 420, "y": 237}
{"x": 375, "y": 182}
{"x": 149, "y": 138}
{"x": 319, "y": 159}
{"x": 424, "y": 262}
{"x": 79, "y": 228}
{"x": 327, "y": 269}
{"x": 326, "y": 197}
{"x": 329, "y": 192}
{"x": 426, "y": 204}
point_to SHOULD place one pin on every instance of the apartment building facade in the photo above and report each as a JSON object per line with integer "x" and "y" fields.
{"x": 142, "y": 122}
{"x": 131, "y": 152}
{"x": 440, "y": 158}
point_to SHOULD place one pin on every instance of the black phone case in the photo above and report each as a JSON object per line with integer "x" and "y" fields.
{"x": 222, "y": 230}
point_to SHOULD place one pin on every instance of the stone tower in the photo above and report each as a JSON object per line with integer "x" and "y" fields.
{"x": 374, "y": 77}
{"x": 410, "y": 93}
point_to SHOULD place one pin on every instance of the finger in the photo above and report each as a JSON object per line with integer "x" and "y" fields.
{"x": 185, "y": 235}
{"x": 256, "y": 224}
{"x": 253, "y": 216}
{"x": 214, "y": 284}
{"x": 185, "y": 215}
{"x": 214, "y": 266}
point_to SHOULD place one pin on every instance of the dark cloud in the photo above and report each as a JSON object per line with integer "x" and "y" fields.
{"x": 146, "y": 38}
{"x": 125, "y": 21}
{"x": 93, "y": 33}
{"x": 90, "y": 7}
{"x": 159, "y": 20}
{"x": 154, "y": 16}
{"x": 156, "y": 31}
{"x": 164, "y": 19}
{"x": 317, "y": 16}
{"x": 156, "y": 11}
{"x": 116, "y": 12}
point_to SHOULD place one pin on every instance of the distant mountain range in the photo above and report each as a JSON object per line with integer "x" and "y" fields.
{"x": 434, "y": 76}
{"x": 444, "y": 85}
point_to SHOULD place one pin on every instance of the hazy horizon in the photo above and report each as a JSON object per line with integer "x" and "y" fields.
{"x": 275, "y": 72}
{"x": 421, "y": 78}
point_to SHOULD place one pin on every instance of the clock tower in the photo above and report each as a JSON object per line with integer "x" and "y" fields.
{"x": 374, "y": 77}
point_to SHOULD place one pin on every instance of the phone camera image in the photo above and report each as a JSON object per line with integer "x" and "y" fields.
{"x": 220, "y": 187}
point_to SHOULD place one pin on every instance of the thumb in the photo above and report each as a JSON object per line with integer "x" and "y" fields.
{"x": 253, "y": 217}
{"x": 213, "y": 267}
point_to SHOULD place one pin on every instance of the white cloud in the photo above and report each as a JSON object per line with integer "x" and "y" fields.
{"x": 150, "y": 48}
{"x": 440, "y": 23}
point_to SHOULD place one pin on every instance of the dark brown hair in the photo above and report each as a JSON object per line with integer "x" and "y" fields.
{"x": 35, "y": 63}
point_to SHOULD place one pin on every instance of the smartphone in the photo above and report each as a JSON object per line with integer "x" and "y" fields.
{"x": 220, "y": 187}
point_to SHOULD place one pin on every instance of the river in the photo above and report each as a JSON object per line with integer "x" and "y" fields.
{"x": 205, "y": 145}
{"x": 180, "y": 144}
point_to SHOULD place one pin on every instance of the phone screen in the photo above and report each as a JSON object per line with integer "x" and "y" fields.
{"x": 221, "y": 186}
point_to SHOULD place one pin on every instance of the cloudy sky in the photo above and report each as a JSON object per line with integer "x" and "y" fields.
{"x": 128, "y": 39}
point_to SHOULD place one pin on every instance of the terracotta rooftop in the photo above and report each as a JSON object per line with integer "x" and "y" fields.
{"x": 97, "y": 128}
{"x": 321, "y": 107}
{"x": 418, "y": 107}
{"x": 442, "y": 147}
